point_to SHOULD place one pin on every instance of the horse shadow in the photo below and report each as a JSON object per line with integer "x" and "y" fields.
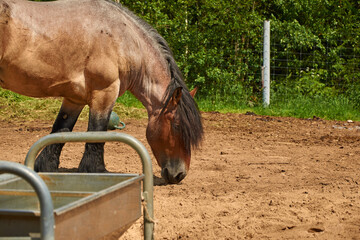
{"x": 159, "y": 181}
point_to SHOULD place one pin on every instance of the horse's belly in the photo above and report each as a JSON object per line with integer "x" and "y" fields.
{"x": 32, "y": 85}
{"x": 16, "y": 83}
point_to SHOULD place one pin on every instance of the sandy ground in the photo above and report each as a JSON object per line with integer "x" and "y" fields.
{"x": 255, "y": 177}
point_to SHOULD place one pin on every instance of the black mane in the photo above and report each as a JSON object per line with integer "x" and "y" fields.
{"x": 188, "y": 115}
{"x": 189, "y": 123}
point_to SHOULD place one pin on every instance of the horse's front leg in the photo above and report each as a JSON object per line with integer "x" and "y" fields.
{"x": 93, "y": 158}
{"x": 48, "y": 159}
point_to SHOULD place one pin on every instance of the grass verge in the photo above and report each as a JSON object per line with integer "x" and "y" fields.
{"x": 16, "y": 107}
{"x": 334, "y": 108}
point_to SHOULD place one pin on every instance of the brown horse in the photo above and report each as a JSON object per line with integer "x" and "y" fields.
{"x": 90, "y": 52}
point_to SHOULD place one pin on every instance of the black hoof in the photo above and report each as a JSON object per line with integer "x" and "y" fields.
{"x": 48, "y": 159}
{"x": 91, "y": 169}
{"x": 93, "y": 159}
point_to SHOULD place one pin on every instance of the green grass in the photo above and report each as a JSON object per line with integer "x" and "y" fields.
{"x": 16, "y": 107}
{"x": 334, "y": 108}
{"x": 129, "y": 100}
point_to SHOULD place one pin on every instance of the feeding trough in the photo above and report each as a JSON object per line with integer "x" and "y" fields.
{"x": 74, "y": 205}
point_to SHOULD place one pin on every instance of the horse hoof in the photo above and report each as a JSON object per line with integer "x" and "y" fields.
{"x": 46, "y": 163}
{"x": 38, "y": 168}
{"x": 89, "y": 170}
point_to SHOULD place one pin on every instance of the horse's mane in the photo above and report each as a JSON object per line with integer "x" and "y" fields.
{"x": 188, "y": 115}
{"x": 189, "y": 120}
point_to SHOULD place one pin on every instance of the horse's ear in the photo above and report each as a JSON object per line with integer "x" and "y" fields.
{"x": 193, "y": 92}
{"x": 174, "y": 100}
{"x": 172, "y": 104}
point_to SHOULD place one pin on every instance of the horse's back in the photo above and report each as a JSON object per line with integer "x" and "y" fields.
{"x": 64, "y": 14}
{"x": 48, "y": 46}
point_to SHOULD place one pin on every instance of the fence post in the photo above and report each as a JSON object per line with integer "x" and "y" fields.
{"x": 266, "y": 67}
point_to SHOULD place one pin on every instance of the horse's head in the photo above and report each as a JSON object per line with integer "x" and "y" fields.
{"x": 171, "y": 136}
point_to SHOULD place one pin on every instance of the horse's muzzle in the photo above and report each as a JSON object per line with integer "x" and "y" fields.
{"x": 173, "y": 171}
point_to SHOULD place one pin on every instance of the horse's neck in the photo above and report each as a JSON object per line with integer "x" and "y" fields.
{"x": 150, "y": 89}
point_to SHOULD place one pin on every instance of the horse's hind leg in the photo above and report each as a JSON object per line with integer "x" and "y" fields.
{"x": 48, "y": 159}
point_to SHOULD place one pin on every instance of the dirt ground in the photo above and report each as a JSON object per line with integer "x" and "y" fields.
{"x": 255, "y": 177}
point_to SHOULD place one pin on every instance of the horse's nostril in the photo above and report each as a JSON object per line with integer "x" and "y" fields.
{"x": 172, "y": 178}
{"x": 180, "y": 177}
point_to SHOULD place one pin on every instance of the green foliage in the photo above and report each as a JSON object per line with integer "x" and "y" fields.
{"x": 209, "y": 40}
{"x": 354, "y": 95}
{"x": 218, "y": 44}
{"x": 309, "y": 84}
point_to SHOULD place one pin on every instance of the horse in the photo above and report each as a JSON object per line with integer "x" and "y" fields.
{"x": 89, "y": 52}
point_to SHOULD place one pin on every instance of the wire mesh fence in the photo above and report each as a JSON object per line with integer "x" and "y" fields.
{"x": 331, "y": 67}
